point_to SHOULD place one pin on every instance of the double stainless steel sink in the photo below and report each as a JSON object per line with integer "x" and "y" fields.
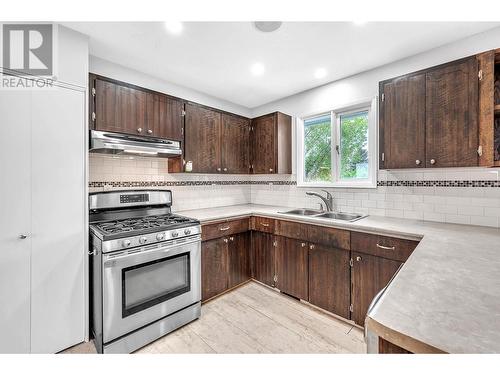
{"x": 343, "y": 216}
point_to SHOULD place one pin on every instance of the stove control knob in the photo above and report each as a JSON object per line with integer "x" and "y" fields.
{"x": 126, "y": 243}
{"x": 160, "y": 236}
{"x": 143, "y": 240}
{"x": 187, "y": 231}
{"x": 175, "y": 234}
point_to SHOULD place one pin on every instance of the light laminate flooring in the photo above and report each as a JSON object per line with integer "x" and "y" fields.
{"x": 256, "y": 319}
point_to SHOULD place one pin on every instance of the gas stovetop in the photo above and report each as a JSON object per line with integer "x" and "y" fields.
{"x": 162, "y": 222}
{"x": 128, "y": 219}
{"x": 128, "y": 227}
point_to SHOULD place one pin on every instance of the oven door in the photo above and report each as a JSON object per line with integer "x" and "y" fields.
{"x": 145, "y": 284}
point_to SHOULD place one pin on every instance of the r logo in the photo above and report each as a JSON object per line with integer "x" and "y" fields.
{"x": 27, "y": 48}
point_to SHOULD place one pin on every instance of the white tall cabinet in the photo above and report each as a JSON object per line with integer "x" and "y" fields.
{"x": 43, "y": 210}
{"x": 42, "y": 153}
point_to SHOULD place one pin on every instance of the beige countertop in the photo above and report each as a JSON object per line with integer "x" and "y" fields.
{"x": 447, "y": 294}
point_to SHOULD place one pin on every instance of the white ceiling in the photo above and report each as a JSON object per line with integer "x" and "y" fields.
{"x": 215, "y": 57}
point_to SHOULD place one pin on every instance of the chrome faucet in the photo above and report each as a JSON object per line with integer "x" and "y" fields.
{"x": 328, "y": 200}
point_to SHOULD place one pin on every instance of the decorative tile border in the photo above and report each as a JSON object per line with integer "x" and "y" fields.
{"x": 126, "y": 184}
{"x": 443, "y": 183}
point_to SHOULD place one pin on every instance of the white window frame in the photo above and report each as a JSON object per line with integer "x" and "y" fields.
{"x": 371, "y": 181}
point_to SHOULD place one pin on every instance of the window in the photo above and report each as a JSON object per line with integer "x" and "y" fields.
{"x": 338, "y": 148}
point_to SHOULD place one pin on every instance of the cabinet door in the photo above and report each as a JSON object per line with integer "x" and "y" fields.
{"x": 165, "y": 118}
{"x": 263, "y": 257}
{"x": 369, "y": 275}
{"x": 214, "y": 267}
{"x": 202, "y": 147}
{"x": 264, "y": 158}
{"x": 238, "y": 259}
{"x": 329, "y": 279}
{"x": 119, "y": 108}
{"x": 402, "y": 122}
{"x": 292, "y": 267}
{"x": 58, "y": 294}
{"x": 15, "y": 219}
{"x": 452, "y": 115}
{"x": 235, "y": 144}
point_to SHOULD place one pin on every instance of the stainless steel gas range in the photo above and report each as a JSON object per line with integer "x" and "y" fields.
{"x": 145, "y": 265}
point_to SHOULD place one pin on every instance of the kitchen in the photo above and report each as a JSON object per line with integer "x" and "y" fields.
{"x": 329, "y": 204}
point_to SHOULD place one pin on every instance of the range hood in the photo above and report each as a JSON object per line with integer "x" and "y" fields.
{"x": 116, "y": 143}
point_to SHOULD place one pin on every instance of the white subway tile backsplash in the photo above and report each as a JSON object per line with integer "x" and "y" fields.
{"x": 464, "y": 205}
{"x": 457, "y": 219}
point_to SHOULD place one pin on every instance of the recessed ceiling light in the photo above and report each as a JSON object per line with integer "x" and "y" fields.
{"x": 174, "y": 27}
{"x": 267, "y": 27}
{"x": 257, "y": 69}
{"x": 320, "y": 73}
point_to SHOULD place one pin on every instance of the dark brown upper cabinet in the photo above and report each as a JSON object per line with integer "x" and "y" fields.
{"x": 216, "y": 142}
{"x": 451, "y": 104}
{"x": 271, "y": 144}
{"x": 118, "y": 108}
{"x": 489, "y": 107}
{"x": 124, "y": 108}
{"x": 202, "y": 132}
{"x": 235, "y": 142}
{"x": 430, "y": 118}
{"x": 165, "y": 117}
{"x": 402, "y": 122}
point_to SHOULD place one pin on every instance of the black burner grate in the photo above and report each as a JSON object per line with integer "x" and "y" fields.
{"x": 148, "y": 222}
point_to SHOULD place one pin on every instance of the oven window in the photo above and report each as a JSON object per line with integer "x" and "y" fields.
{"x": 148, "y": 284}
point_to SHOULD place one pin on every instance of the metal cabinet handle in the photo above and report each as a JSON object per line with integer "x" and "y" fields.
{"x": 386, "y": 247}
{"x": 264, "y": 224}
{"x": 219, "y": 169}
{"x": 225, "y": 240}
{"x": 225, "y": 228}
{"x": 139, "y": 130}
{"x": 311, "y": 247}
{"x": 150, "y": 131}
{"x": 358, "y": 259}
{"x": 23, "y": 236}
{"x": 433, "y": 161}
{"x": 303, "y": 244}
{"x": 270, "y": 169}
{"x": 231, "y": 238}
{"x": 225, "y": 169}
{"x": 417, "y": 162}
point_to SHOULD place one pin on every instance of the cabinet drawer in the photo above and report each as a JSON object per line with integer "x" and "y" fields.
{"x": 262, "y": 224}
{"x": 225, "y": 228}
{"x": 291, "y": 229}
{"x": 329, "y": 236}
{"x": 382, "y": 246}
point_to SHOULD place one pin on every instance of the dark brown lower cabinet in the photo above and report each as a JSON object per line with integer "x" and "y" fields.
{"x": 292, "y": 267}
{"x": 329, "y": 279}
{"x": 263, "y": 257}
{"x": 214, "y": 263}
{"x": 225, "y": 263}
{"x": 369, "y": 275}
{"x": 238, "y": 259}
{"x": 386, "y": 347}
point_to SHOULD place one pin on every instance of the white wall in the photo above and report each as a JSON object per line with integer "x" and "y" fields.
{"x": 365, "y": 85}
{"x": 121, "y": 73}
